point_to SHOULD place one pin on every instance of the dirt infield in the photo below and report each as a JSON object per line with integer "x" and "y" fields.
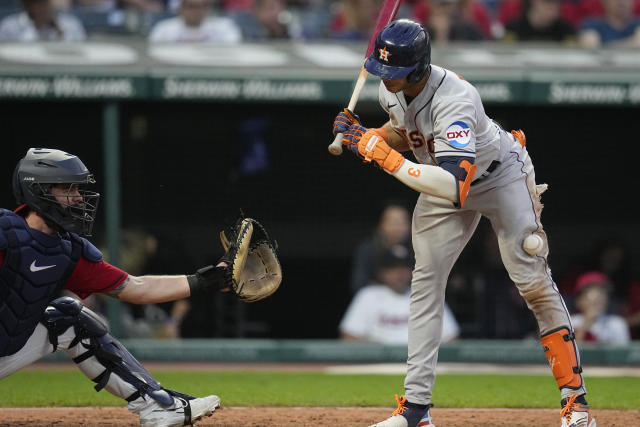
{"x": 317, "y": 417}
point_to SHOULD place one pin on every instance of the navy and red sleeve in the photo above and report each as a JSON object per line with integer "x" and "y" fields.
{"x": 94, "y": 278}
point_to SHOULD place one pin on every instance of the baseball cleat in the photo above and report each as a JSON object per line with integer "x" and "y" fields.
{"x": 576, "y": 414}
{"x": 183, "y": 412}
{"x": 407, "y": 416}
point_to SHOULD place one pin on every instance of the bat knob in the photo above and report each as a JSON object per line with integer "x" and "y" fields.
{"x": 335, "y": 147}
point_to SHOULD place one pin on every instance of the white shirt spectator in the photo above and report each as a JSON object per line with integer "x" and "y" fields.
{"x": 213, "y": 29}
{"x": 607, "y": 329}
{"x": 18, "y": 27}
{"x": 379, "y": 314}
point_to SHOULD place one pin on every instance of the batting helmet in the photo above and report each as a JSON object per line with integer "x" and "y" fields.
{"x": 33, "y": 180}
{"x": 402, "y": 49}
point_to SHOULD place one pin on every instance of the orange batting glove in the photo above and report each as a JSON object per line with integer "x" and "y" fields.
{"x": 373, "y": 146}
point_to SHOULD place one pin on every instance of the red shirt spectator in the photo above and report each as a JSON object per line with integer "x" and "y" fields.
{"x": 475, "y": 12}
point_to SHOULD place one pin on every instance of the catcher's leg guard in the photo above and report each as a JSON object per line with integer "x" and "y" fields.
{"x": 560, "y": 349}
{"x": 99, "y": 355}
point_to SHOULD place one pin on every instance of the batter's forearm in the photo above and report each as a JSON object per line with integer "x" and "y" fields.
{"x": 395, "y": 139}
{"x": 428, "y": 179}
{"x": 154, "y": 289}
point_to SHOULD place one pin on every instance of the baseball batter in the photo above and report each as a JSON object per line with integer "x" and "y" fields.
{"x": 41, "y": 252}
{"x": 467, "y": 166}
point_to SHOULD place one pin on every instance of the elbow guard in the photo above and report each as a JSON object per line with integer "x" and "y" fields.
{"x": 463, "y": 169}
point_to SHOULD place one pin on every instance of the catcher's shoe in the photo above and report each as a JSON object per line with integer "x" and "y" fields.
{"x": 407, "y": 415}
{"x": 183, "y": 412}
{"x": 576, "y": 414}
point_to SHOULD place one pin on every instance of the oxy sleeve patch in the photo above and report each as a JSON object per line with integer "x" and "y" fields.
{"x": 458, "y": 134}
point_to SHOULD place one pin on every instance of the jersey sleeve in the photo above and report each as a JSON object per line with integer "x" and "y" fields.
{"x": 94, "y": 277}
{"x": 454, "y": 134}
{"x": 454, "y": 129}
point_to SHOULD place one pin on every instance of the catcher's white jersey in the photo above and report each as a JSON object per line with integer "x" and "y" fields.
{"x": 446, "y": 119}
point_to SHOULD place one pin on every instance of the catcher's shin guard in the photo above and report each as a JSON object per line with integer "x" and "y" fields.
{"x": 99, "y": 355}
{"x": 560, "y": 349}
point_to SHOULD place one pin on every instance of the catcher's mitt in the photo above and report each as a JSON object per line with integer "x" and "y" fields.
{"x": 253, "y": 270}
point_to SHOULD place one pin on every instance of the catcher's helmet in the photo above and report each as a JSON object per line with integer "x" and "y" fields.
{"x": 37, "y": 173}
{"x": 402, "y": 49}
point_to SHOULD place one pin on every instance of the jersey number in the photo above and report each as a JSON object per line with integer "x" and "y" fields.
{"x": 418, "y": 140}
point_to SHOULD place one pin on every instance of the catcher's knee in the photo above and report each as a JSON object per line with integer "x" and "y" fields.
{"x": 560, "y": 349}
{"x": 66, "y": 312}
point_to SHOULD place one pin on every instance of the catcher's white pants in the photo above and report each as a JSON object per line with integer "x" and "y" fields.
{"x": 39, "y": 346}
{"x": 508, "y": 197}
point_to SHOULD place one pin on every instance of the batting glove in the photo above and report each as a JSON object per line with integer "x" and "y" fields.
{"x": 373, "y": 147}
{"x": 352, "y": 137}
{"x": 344, "y": 120}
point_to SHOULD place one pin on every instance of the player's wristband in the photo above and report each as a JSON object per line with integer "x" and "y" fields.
{"x": 205, "y": 279}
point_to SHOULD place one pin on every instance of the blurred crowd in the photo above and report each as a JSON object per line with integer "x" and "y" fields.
{"x": 586, "y": 23}
{"x": 601, "y": 289}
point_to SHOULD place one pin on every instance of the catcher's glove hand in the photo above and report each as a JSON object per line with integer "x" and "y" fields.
{"x": 252, "y": 269}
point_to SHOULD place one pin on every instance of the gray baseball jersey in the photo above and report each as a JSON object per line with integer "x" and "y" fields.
{"x": 447, "y": 120}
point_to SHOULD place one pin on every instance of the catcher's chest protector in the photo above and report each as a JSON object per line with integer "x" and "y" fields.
{"x": 36, "y": 266}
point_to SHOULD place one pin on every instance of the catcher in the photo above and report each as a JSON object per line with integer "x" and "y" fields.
{"x": 41, "y": 252}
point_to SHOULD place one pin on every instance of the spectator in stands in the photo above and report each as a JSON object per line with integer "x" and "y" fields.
{"x": 448, "y": 20}
{"x": 62, "y": 5}
{"x": 593, "y": 322}
{"x": 473, "y": 11}
{"x": 95, "y": 5}
{"x": 618, "y": 26}
{"x": 612, "y": 257}
{"x": 540, "y": 21}
{"x": 194, "y": 24}
{"x": 379, "y": 312}
{"x": 267, "y": 20}
{"x": 392, "y": 231}
{"x": 142, "y": 5}
{"x": 574, "y": 11}
{"x": 153, "y": 6}
{"x": 355, "y": 19}
{"x": 317, "y": 20}
{"x": 41, "y": 21}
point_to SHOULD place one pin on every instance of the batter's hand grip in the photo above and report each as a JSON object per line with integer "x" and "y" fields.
{"x": 335, "y": 147}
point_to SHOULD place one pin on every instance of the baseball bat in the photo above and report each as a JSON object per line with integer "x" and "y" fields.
{"x": 387, "y": 13}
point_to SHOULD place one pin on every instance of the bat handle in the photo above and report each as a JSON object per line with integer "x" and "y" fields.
{"x": 335, "y": 147}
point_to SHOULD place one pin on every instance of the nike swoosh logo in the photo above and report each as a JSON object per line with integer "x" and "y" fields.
{"x": 391, "y": 105}
{"x": 33, "y": 267}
